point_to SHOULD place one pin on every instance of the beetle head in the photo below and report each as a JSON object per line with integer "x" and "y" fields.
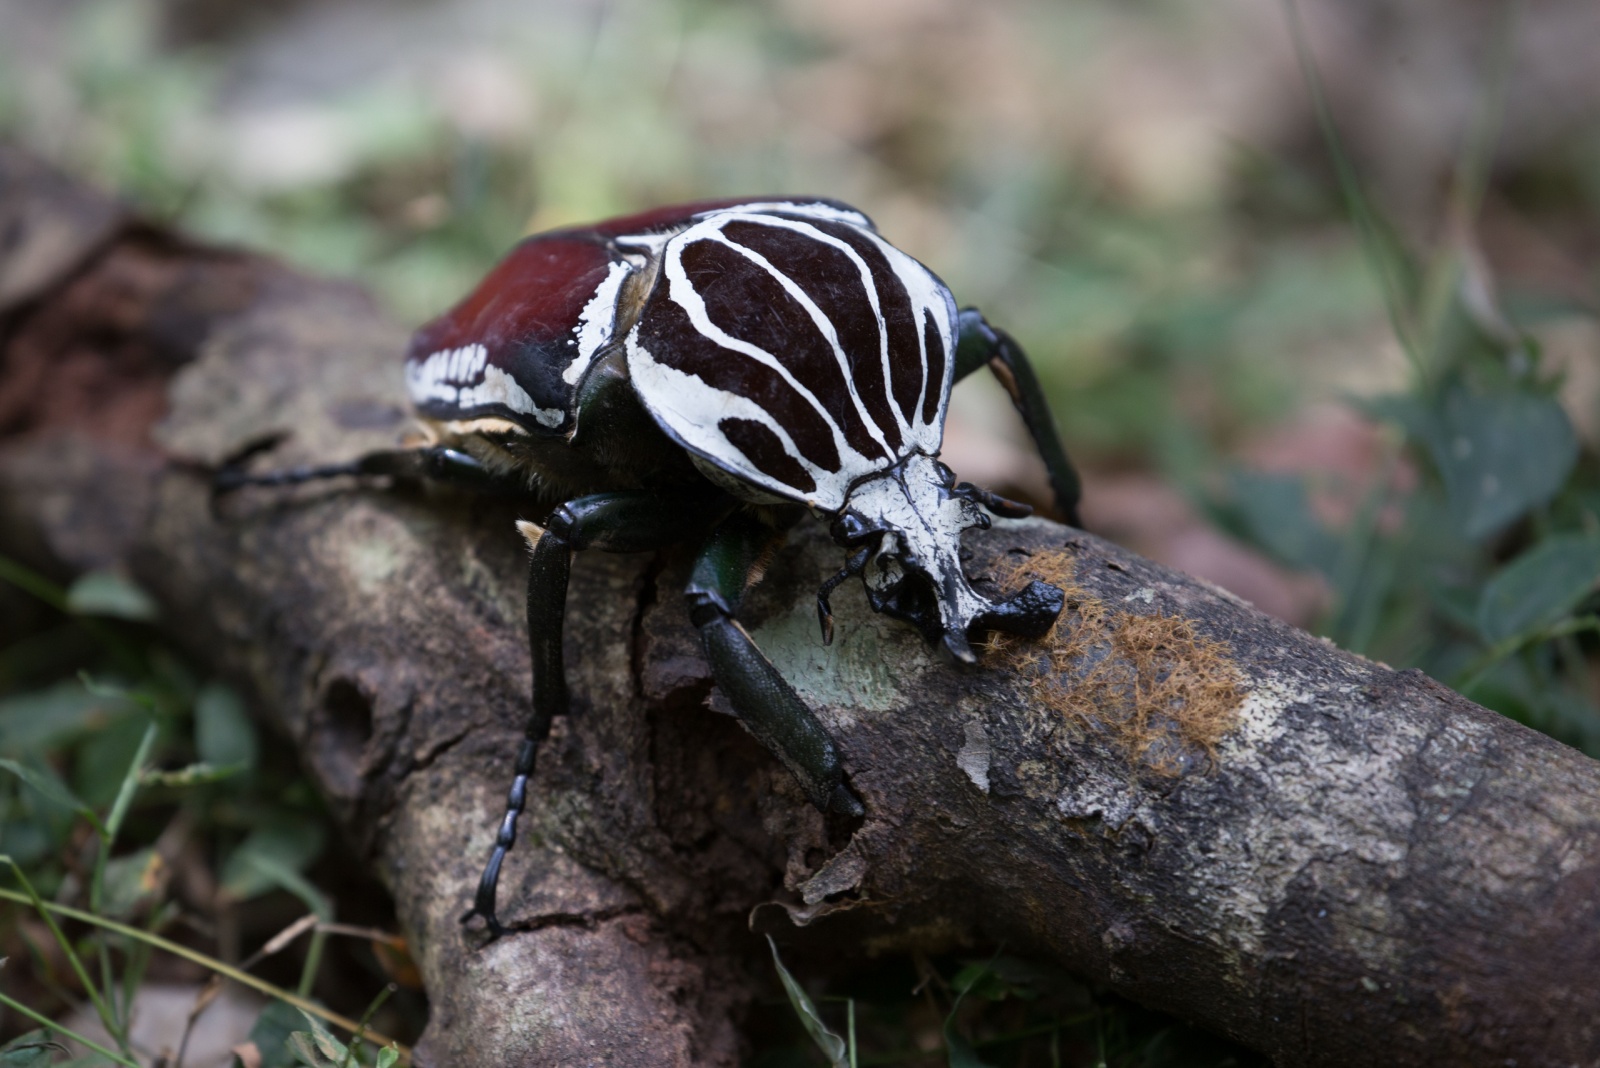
{"x": 904, "y": 528}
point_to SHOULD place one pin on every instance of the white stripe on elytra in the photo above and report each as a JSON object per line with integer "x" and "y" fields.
{"x": 699, "y": 430}
{"x": 813, "y": 210}
{"x": 824, "y": 326}
{"x": 652, "y": 243}
{"x": 928, "y": 294}
{"x": 683, "y": 293}
{"x": 869, "y": 283}
{"x": 595, "y": 322}
{"x": 462, "y": 378}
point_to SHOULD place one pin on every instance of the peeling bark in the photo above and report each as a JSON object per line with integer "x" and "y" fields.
{"x": 1175, "y": 795}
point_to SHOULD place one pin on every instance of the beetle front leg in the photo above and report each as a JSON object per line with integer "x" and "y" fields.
{"x": 765, "y": 702}
{"x": 614, "y": 522}
{"x": 981, "y": 344}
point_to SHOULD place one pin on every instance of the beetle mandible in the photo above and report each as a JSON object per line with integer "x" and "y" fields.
{"x": 710, "y": 372}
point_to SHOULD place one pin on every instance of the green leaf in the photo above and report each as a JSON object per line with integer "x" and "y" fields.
{"x": 271, "y": 1032}
{"x": 288, "y": 879}
{"x": 53, "y": 790}
{"x": 1539, "y": 588}
{"x": 1407, "y": 412}
{"x": 317, "y": 1048}
{"x": 304, "y": 1051}
{"x": 129, "y": 882}
{"x": 25, "y": 839}
{"x": 1274, "y": 512}
{"x": 1499, "y": 454}
{"x": 223, "y": 732}
{"x": 111, "y": 691}
{"x": 260, "y": 861}
{"x": 958, "y": 1050}
{"x": 103, "y": 759}
{"x": 980, "y": 981}
{"x": 832, "y": 1046}
{"x": 32, "y": 1050}
{"x": 47, "y": 718}
{"x": 105, "y": 593}
{"x": 388, "y": 1057}
{"x": 1013, "y": 977}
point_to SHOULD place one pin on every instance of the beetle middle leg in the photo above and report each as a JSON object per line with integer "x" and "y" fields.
{"x": 622, "y": 522}
{"x": 981, "y": 344}
{"x": 765, "y": 702}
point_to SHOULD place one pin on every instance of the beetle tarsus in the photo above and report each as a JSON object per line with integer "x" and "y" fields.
{"x": 852, "y": 568}
{"x": 483, "y": 903}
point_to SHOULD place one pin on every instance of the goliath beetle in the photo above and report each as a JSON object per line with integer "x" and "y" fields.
{"x": 711, "y": 372}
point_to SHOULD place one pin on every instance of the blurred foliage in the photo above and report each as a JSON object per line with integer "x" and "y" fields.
{"x": 997, "y": 1012}
{"x": 140, "y": 794}
{"x": 1158, "y": 324}
{"x": 1177, "y": 302}
{"x": 1483, "y": 566}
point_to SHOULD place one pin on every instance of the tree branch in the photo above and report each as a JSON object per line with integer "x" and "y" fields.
{"x": 1174, "y": 795}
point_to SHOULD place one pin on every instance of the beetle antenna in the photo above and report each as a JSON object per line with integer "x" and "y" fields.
{"x": 1004, "y": 507}
{"x": 853, "y": 567}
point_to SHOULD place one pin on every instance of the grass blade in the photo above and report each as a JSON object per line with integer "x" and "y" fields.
{"x": 1378, "y": 239}
{"x": 23, "y": 1010}
{"x": 30, "y": 581}
{"x": 210, "y": 963}
{"x": 361, "y": 1033}
{"x": 832, "y": 1046}
{"x": 97, "y": 884}
{"x": 107, "y": 1018}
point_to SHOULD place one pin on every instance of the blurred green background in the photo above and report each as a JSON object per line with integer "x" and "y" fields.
{"x": 1342, "y": 361}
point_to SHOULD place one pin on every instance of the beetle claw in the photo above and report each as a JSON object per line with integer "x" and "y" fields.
{"x": 825, "y": 618}
{"x": 959, "y": 648}
{"x": 495, "y": 928}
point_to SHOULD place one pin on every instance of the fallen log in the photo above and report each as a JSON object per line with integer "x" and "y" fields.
{"x": 1173, "y": 795}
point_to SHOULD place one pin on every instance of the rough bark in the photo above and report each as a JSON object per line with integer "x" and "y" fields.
{"x": 1175, "y": 795}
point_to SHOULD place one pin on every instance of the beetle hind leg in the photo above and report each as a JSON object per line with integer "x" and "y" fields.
{"x": 547, "y": 597}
